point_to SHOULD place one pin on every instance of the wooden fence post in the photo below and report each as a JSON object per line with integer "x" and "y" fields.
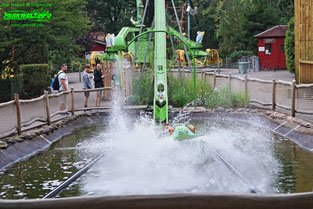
{"x": 18, "y": 114}
{"x": 214, "y": 79}
{"x": 246, "y": 84}
{"x": 293, "y": 99}
{"x": 47, "y": 108}
{"x": 72, "y": 101}
{"x": 274, "y": 94}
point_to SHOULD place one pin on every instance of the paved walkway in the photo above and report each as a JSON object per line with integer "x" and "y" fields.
{"x": 264, "y": 75}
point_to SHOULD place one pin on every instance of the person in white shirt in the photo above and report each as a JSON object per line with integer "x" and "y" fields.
{"x": 63, "y": 81}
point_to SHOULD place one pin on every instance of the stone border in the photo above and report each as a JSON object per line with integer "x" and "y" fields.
{"x": 17, "y": 148}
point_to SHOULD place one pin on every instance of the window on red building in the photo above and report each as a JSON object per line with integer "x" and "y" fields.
{"x": 282, "y": 47}
{"x": 268, "y": 49}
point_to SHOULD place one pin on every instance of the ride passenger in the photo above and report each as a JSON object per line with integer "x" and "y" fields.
{"x": 168, "y": 129}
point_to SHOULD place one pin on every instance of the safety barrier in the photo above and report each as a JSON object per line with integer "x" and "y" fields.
{"x": 171, "y": 201}
{"x": 20, "y": 115}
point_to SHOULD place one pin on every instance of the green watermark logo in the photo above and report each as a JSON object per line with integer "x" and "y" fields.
{"x": 36, "y": 15}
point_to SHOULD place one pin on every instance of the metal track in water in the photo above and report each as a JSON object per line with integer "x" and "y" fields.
{"x": 73, "y": 178}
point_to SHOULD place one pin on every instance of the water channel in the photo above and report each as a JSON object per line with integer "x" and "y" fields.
{"x": 140, "y": 161}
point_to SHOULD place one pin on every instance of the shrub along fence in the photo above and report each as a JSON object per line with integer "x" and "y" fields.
{"x": 10, "y": 86}
{"x": 36, "y": 79}
{"x": 19, "y": 115}
{"x": 267, "y": 93}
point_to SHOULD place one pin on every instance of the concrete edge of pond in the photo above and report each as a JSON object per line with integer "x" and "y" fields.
{"x": 34, "y": 141}
{"x": 170, "y": 201}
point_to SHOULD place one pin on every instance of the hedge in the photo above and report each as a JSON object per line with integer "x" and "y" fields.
{"x": 36, "y": 79}
{"x": 10, "y": 86}
{"x": 238, "y": 54}
{"x": 290, "y": 46}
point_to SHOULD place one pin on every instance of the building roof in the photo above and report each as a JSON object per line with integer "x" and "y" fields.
{"x": 277, "y": 31}
{"x": 98, "y": 37}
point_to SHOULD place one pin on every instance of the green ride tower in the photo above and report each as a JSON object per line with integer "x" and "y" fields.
{"x": 160, "y": 101}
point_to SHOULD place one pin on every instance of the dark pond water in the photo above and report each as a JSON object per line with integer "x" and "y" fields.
{"x": 144, "y": 164}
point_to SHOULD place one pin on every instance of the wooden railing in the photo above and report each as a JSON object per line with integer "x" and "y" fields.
{"x": 44, "y": 107}
{"x": 274, "y": 82}
{"x": 16, "y": 125}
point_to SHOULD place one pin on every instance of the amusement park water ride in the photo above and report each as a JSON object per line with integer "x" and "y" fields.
{"x": 124, "y": 44}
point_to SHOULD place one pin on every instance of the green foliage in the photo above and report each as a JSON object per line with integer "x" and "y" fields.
{"x": 111, "y": 16}
{"x": 290, "y": 46}
{"x": 36, "y": 79}
{"x": 238, "y": 54}
{"x": 11, "y": 86}
{"x": 180, "y": 93}
{"x": 142, "y": 94}
{"x": 76, "y": 66}
{"x": 235, "y": 23}
{"x": 225, "y": 98}
{"x": 55, "y": 40}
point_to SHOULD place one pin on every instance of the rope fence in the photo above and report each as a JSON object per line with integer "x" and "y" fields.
{"x": 268, "y": 93}
{"x": 20, "y": 115}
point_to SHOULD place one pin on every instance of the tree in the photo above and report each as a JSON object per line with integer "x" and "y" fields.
{"x": 57, "y": 36}
{"x": 290, "y": 46}
{"x": 111, "y": 16}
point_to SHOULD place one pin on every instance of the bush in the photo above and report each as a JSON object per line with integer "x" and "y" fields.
{"x": 237, "y": 55}
{"x": 142, "y": 95}
{"x": 225, "y": 98}
{"x": 10, "y": 86}
{"x": 180, "y": 93}
{"x": 36, "y": 79}
{"x": 290, "y": 46}
{"x": 76, "y": 66}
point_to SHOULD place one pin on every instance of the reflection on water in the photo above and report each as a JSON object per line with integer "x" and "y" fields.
{"x": 138, "y": 161}
{"x": 296, "y": 167}
{"x": 42, "y": 173}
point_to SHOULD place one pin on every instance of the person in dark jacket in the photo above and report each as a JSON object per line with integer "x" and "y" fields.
{"x": 98, "y": 79}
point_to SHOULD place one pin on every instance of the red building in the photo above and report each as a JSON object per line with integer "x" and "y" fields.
{"x": 98, "y": 43}
{"x": 271, "y": 47}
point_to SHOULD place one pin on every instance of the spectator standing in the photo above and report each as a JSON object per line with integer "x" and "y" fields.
{"x": 63, "y": 81}
{"x": 86, "y": 84}
{"x": 98, "y": 79}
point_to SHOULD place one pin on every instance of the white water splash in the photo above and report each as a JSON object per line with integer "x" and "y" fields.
{"x": 138, "y": 161}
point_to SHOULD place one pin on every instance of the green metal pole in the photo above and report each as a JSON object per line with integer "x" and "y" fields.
{"x": 160, "y": 102}
{"x": 189, "y": 49}
{"x": 194, "y": 82}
